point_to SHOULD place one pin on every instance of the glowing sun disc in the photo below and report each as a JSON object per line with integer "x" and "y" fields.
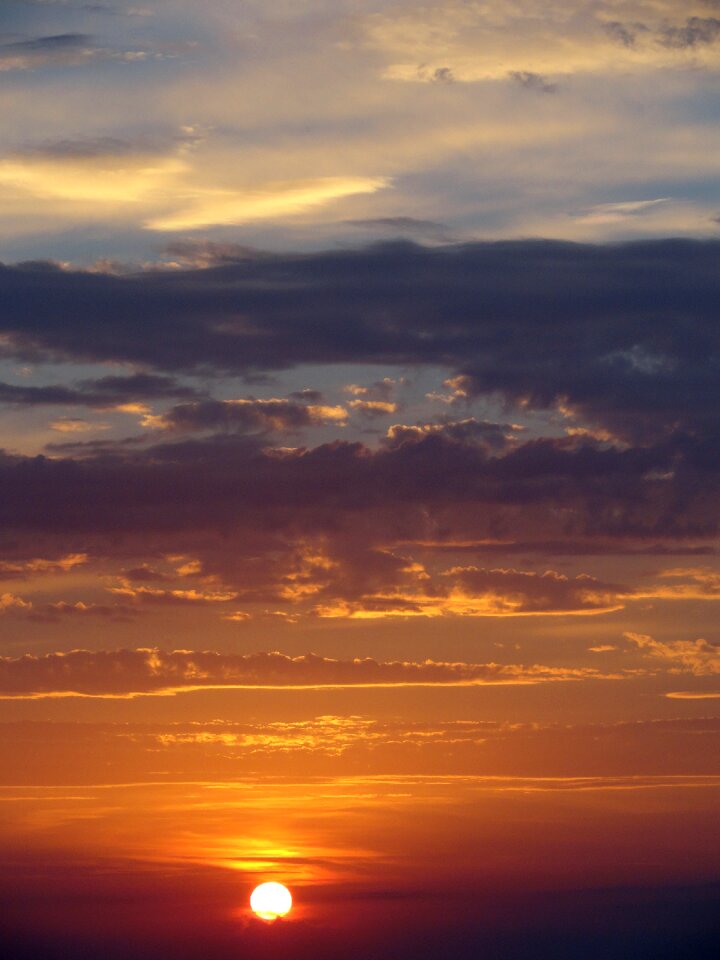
{"x": 270, "y": 900}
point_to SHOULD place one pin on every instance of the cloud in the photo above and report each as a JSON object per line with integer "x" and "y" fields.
{"x": 61, "y": 50}
{"x": 337, "y": 528}
{"x": 693, "y": 695}
{"x": 405, "y": 227}
{"x": 363, "y": 753}
{"x": 533, "y": 81}
{"x": 171, "y": 597}
{"x": 383, "y": 390}
{"x": 477, "y": 592}
{"x": 617, "y": 212}
{"x": 696, "y": 31}
{"x": 105, "y": 147}
{"x": 9, "y": 602}
{"x": 494, "y": 312}
{"x": 491, "y": 436}
{"x": 22, "y": 569}
{"x": 60, "y": 610}
{"x": 81, "y": 179}
{"x": 684, "y": 583}
{"x": 536, "y": 39}
{"x": 522, "y": 592}
{"x": 624, "y": 33}
{"x": 697, "y": 657}
{"x": 357, "y": 529}
{"x": 158, "y": 182}
{"x": 208, "y": 206}
{"x": 103, "y": 393}
{"x": 125, "y": 673}
{"x": 209, "y": 253}
{"x": 373, "y": 408}
{"x": 76, "y": 425}
{"x": 247, "y": 415}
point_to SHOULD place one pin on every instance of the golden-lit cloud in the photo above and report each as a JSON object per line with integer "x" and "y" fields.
{"x": 120, "y": 180}
{"x": 373, "y": 408}
{"x": 450, "y": 42}
{"x": 128, "y": 673}
{"x": 157, "y": 595}
{"x": 698, "y": 657}
{"x": 76, "y": 425}
{"x": 214, "y": 206}
{"x": 478, "y": 592}
{"x": 684, "y": 583}
{"x": 11, "y": 602}
{"x": 163, "y": 187}
{"x": 246, "y": 415}
{"x": 693, "y": 695}
{"x": 10, "y": 569}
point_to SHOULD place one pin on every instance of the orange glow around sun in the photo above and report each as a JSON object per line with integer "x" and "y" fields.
{"x": 270, "y": 901}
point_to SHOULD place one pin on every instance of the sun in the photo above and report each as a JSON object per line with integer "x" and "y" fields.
{"x": 270, "y": 901}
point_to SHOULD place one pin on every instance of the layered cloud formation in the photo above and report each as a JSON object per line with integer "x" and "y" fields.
{"x": 600, "y": 359}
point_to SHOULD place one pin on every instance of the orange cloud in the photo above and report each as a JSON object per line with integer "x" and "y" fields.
{"x": 24, "y": 568}
{"x": 680, "y": 656}
{"x": 128, "y": 673}
{"x": 156, "y": 595}
{"x": 477, "y": 592}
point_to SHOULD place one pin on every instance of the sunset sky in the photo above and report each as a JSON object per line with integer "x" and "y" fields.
{"x": 360, "y": 478}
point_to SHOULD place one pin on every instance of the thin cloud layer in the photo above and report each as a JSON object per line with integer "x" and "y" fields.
{"x": 124, "y": 673}
{"x": 476, "y": 43}
{"x": 59, "y": 50}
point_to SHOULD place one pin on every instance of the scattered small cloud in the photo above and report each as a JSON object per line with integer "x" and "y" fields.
{"x": 697, "y": 31}
{"x": 533, "y": 81}
{"x": 698, "y": 657}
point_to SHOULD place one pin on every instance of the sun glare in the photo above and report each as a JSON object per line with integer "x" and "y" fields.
{"x": 270, "y": 901}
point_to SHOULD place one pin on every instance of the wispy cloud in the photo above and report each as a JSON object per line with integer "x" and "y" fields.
{"x": 209, "y": 206}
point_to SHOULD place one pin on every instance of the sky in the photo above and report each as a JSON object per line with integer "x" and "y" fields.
{"x": 359, "y": 478}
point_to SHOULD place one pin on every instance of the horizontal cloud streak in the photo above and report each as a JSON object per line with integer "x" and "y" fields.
{"x": 636, "y": 321}
{"x": 123, "y": 673}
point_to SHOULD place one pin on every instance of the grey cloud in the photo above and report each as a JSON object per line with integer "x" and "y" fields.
{"x": 55, "y": 613}
{"x": 696, "y": 32}
{"x": 623, "y": 333}
{"x": 110, "y": 146}
{"x": 248, "y": 415}
{"x": 210, "y": 253}
{"x": 100, "y": 393}
{"x": 66, "y": 49}
{"x": 404, "y": 226}
{"x": 625, "y": 33}
{"x": 60, "y": 50}
{"x": 493, "y": 436}
{"x": 442, "y": 75}
{"x": 307, "y": 395}
{"x": 533, "y": 81}
{"x": 142, "y": 385}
